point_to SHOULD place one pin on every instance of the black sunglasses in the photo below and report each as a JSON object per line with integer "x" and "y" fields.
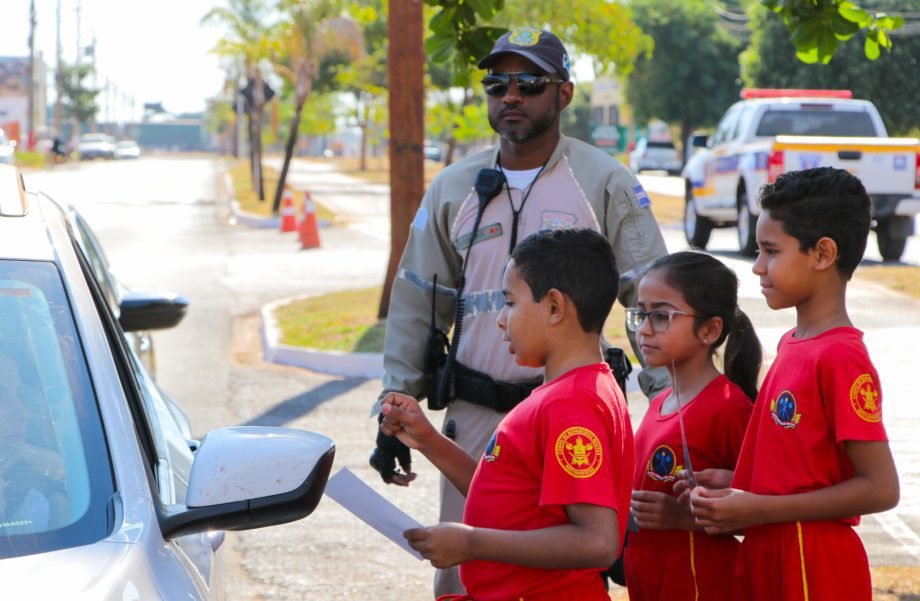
{"x": 528, "y": 84}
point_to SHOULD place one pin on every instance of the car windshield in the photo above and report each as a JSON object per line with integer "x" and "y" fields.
{"x": 55, "y": 470}
{"x": 816, "y": 121}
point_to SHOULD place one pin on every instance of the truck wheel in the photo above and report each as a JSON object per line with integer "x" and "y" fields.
{"x": 697, "y": 229}
{"x": 747, "y": 226}
{"x": 889, "y": 246}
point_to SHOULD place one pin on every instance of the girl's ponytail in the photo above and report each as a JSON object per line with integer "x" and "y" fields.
{"x": 743, "y": 354}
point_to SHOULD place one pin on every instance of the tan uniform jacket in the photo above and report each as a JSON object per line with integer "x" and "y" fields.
{"x": 580, "y": 186}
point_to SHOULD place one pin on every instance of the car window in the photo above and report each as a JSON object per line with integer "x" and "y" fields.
{"x": 664, "y": 145}
{"x": 92, "y": 250}
{"x": 55, "y": 471}
{"x": 816, "y": 122}
{"x": 726, "y": 128}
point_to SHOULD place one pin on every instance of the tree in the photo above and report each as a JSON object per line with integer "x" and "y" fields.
{"x": 77, "y": 98}
{"x": 315, "y": 27}
{"x": 604, "y": 31}
{"x": 249, "y": 39}
{"x": 890, "y": 82}
{"x": 692, "y": 76}
{"x": 818, "y": 26}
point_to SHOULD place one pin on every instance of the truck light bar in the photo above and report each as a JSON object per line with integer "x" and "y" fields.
{"x": 748, "y": 93}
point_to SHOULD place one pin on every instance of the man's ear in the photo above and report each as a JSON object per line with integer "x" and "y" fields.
{"x": 825, "y": 253}
{"x": 556, "y": 305}
{"x": 566, "y": 93}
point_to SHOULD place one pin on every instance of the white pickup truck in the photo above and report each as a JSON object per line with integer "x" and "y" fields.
{"x": 772, "y": 131}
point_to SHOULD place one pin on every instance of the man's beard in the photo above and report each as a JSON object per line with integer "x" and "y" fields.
{"x": 524, "y": 132}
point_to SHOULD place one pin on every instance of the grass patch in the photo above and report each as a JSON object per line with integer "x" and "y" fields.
{"x": 30, "y": 158}
{"x": 667, "y": 209}
{"x": 900, "y": 278}
{"x": 249, "y": 201}
{"x": 340, "y": 321}
{"x": 347, "y": 321}
{"x": 377, "y": 168}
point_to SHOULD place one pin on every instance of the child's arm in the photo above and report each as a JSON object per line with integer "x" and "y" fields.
{"x": 404, "y": 418}
{"x": 589, "y": 541}
{"x": 873, "y": 488}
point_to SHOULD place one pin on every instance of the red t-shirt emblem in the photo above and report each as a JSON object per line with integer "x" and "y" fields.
{"x": 864, "y": 398}
{"x": 578, "y": 451}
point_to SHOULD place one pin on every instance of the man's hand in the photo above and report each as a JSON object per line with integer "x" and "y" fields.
{"x": 390, "y": 450}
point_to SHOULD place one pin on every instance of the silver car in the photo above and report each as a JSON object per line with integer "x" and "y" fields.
{"x": 103, "y": 496}
{"x": 655, "y": 156}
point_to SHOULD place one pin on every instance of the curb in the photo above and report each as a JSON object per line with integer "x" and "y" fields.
{"x": 338, "y": 363}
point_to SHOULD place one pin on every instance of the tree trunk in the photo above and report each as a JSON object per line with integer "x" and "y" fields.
{"x": 258, "y": 113}
{"x": 302, "y": 92}
{"x": 406, "y": 68}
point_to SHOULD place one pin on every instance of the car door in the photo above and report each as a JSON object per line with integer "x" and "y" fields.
{"x": 168, "y": 455}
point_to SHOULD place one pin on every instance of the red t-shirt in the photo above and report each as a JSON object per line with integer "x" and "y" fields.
{"x": 819, "y": 393}
{"x": 569, "y": 442}
{"x": 715, "y": 421}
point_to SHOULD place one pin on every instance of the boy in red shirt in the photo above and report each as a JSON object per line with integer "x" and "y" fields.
{"x": 815, "y": 455}
{"x": 547, "y": 504}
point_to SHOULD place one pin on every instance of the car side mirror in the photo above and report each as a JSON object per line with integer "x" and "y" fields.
{"x": 249, "y": 477}
{"x": 151, "y": 311}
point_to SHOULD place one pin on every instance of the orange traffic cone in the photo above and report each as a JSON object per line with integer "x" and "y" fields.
{"x": 309, "y": 232}
{"x": 288, "y": 212}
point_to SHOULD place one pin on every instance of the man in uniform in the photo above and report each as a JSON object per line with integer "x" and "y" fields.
{"x": 550, "y": 181}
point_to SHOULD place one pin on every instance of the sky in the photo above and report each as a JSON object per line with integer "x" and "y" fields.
{"x": 147, "y": 51}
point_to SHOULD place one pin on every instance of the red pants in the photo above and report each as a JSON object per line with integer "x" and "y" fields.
{"x": 587, "y": 591}
{"x": 676, "y": 565}
{"x": 804, "y": 561}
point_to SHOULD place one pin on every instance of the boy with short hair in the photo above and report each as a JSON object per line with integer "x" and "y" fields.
{"x": 547, "y": 504}
{"x": 815, "y": 455}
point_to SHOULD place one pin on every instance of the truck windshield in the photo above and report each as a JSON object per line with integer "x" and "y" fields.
{"x": 816, "y": 122}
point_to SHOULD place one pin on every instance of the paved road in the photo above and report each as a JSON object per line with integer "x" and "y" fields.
{"x": 165, "y": 225}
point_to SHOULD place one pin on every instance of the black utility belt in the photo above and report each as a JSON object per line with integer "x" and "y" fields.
{"x": 478, "y": 388}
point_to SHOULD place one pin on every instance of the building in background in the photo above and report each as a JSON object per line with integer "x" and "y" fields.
{"x": 14, "y": 97}
{"x": 607, "y": 131}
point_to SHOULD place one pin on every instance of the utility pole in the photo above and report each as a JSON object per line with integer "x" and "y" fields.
{"x": 58, "y": 78}
{"x": 30, "y": 119}
{"x": 406, "y": 70}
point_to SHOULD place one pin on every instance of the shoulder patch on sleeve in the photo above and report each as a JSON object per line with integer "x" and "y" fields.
{"x": 420, "y": 222}
{"x": 579, "y": 452}
{"x": 864, "y": 398}
{"x": 642, "y": 198}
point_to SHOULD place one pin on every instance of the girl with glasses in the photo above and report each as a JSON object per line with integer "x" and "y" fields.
{"x": 687, "y": 308}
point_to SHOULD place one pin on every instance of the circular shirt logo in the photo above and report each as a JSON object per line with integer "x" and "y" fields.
{"x": 866, "y": 399}
{"x": 662, "y": 466}
{"x": 579, "y": 452}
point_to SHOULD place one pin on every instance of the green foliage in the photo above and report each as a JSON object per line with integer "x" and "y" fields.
{"x": 890, "y": 82}
{"x": 456, "y": 40}
{"x": 77, "y": 98}
{"x": 818, "y": 26}
{"x": 692, "y": 76}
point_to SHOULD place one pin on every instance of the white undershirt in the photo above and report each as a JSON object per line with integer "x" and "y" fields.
{"x": 520, "y": 179}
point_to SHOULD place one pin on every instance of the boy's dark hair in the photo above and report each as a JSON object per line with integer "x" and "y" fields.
{"x": 711, "y": 290}
{"x": 578, "y": 262}
{"x": 822, "y": 202}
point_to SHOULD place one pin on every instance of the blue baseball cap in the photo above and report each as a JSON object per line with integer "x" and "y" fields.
{"x": 540, "y": 47}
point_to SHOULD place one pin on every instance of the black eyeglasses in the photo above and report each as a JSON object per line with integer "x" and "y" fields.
{"x": 659, "y": 318}
{"x": 528, "y": 84}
